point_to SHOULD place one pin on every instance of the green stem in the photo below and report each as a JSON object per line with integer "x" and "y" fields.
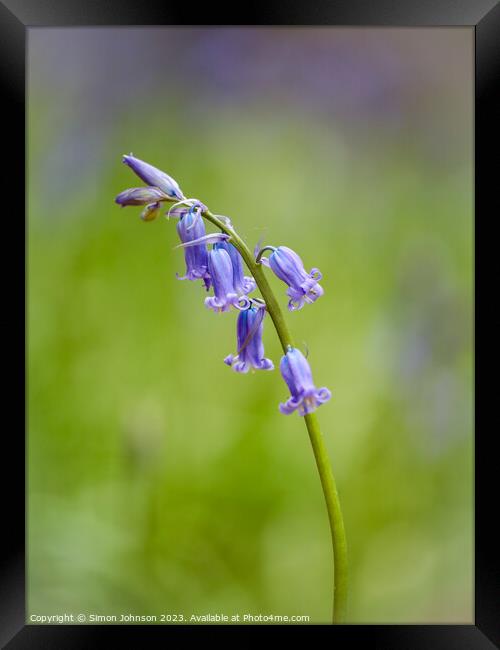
{"x": 316, "y": 437}
{"x": 334, "y": 516}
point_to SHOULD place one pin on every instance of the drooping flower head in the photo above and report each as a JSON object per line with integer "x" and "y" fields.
{"x": 220, "y": 269}
{"x": 302, "y": 286}
{"x": 243, "y": 284}
{"x": 249, "y": 330}
{"x": 155, "y": 177}
{"x": 189, "y": 228}
{"x": 305, "y": 397}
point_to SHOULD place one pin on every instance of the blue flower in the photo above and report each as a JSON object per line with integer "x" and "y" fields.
{"x": 250, "y": 354}
{"x": 220, "y": 269}
{"x": 243, "y": 284}
{"x": 190, "y": 227}
{"x": 155, "y": 177}
{"x": 302, "y": 286}
{"x": 305, "y": 397}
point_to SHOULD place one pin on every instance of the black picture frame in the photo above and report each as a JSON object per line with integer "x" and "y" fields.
{"x": 16, "y": 17}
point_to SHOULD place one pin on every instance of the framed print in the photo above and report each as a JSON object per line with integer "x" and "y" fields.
{"x": 247, "y": 295}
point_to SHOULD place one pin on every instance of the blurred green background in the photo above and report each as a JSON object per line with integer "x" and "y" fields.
{"x": 159, "y": 480}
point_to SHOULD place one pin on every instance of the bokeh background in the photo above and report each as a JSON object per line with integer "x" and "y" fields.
{"x": 159, "y": 480}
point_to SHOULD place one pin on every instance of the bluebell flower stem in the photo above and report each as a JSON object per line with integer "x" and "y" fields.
{"x": 335, "y": 518}
{"x": 316, "y": 437}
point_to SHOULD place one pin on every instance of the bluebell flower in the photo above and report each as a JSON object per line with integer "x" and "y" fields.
{"x": 302, "y": 286}
{"x": 305, "y": 397}
{"x": 189, "y": 228}
{"x": 243, "y": 284}
{"x": 220, "y": 269}
{"x": 155, "y": 177}
{"x": 250, "y": 354}
{"x": 140, "y": 196}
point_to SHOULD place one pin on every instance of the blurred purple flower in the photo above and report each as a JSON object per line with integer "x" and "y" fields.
{"x": 250, "y": 354}
{"x": 305, "y": 397}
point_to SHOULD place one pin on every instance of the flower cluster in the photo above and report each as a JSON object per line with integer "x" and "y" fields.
{"x": 217, "y": 262}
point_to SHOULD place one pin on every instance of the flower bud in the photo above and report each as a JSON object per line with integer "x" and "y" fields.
{"x": 155, "y": 177}
{"x": 140, "y": 196}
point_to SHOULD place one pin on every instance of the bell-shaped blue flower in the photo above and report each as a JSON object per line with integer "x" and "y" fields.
{"x": 220, "y": 269}
{"x": 243, "y": 284}
{"x": 155, "y": 177}
{"x": 302, "y": 286}
{"x": 190, "y": 227}
{"x": 250, "y": 354}
{"x": 305, "y": 397}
